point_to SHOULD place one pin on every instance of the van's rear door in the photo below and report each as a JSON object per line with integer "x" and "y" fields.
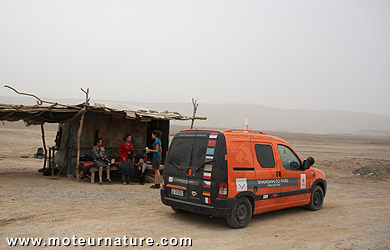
{"x": 208, "y": 167}
{"x": 177, "y": 164}
{"x": 205, "y": 168}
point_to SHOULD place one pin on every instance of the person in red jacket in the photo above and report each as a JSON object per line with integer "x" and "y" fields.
{"x": 126, "y": 157}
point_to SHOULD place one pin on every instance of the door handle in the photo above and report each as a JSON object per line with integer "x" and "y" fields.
{"x": 278, "y": 173}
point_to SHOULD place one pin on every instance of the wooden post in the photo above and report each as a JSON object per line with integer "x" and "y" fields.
{"x": 87, "y": 99}
{"x": 62, "y": 163}
{"x": 44, "y": 145}
{"x": 78, "y": 146}
{"x": 195, "y": 104}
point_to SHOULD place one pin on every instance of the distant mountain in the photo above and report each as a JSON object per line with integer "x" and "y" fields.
{"x": 261, "y": 117}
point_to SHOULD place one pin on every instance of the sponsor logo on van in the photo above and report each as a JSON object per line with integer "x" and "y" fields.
{"x": 270, "y": 183}
{"x": 242, "y": 184}
{"x": 303, "y": 181}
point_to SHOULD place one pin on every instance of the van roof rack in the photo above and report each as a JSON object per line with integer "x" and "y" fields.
{"x": 212, "y": 130}
{"x": 245, "y": 130}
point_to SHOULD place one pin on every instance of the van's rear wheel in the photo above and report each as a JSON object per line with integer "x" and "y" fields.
{"x": 316, "y": 199}
{"x": 241, "y": 213}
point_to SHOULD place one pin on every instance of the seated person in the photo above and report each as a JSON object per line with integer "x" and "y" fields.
{"x": 104, "y": 157}
{"x": 141, "y": 166}
{"x": 98, "y": 162}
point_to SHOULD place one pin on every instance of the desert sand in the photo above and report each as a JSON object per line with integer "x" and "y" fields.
{"x": 355, "y": 214}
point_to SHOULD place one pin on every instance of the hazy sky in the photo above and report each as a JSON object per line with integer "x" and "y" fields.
{"x": 288, "y": 54}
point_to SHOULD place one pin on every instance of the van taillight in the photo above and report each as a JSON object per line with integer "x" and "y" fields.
{"x": 163, "y": 181}
{"x": 222, "y": 190}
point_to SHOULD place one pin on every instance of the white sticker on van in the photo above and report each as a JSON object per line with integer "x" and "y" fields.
{"x": 170, "y": 179}
{"x": 242, "y": 184}
{"x": 303, "y": 181}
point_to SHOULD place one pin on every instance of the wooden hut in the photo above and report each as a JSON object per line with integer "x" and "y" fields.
{"x": 82, "y": 124}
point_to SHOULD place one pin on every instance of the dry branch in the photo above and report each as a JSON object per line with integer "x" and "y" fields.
{"x": 20, "y": 93}
{"x": 40, "y": 101}
{"x": 195, "y": 104}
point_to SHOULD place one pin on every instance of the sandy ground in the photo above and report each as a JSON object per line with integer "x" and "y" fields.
{"x": 355, "y": 215}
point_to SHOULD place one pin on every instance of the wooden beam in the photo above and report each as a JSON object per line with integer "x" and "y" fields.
{"x": 44, "y": 145}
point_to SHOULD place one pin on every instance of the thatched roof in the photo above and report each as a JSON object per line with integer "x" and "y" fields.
{"x": 58, "y": 113}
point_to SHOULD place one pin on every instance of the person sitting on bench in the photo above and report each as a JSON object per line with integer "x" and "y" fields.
{"x": 98, "y": 162}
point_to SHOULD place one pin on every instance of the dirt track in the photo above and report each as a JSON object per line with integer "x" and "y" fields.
{"x": 355, "y": 215}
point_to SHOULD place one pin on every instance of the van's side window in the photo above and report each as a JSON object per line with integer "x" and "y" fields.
{"x": 289, "y": 160}
{"x": 265, "y": 155}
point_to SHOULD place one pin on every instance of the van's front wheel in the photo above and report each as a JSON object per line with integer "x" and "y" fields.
{"x": 316, "y": 199}
{"x": 241, "y": 213}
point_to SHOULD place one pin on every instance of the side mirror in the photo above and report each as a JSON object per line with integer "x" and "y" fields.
{"x": 308, "y": 162}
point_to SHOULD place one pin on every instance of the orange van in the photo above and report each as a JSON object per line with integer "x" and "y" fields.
{"x": 236, "y": 174}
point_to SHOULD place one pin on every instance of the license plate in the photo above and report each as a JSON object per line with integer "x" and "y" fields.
{"x": 177, "y": 192}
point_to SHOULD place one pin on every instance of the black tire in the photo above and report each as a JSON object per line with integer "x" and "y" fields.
{"x": 316, "y": 199}
{"x": 178, "y": 211}
{"x": 241, "y": 213}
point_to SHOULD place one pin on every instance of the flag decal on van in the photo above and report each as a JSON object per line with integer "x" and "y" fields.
{"x": 210, "y": 151}
{"x": 208, "y": 168}
{"x": 206, "y": 193}
{"x": 209, "y": 158}
{"x": 213, "y": 135}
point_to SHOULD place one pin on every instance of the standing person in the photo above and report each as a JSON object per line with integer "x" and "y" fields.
{"x": 126, "y": 156}
{"x": 157, "y": 149}
{"x": 97, "y": 160}
{"x": 58, "y": 138}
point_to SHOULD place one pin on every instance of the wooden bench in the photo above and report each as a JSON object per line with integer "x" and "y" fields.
{"x": 149, "y": 167}
{"x": 93, "y": 170}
